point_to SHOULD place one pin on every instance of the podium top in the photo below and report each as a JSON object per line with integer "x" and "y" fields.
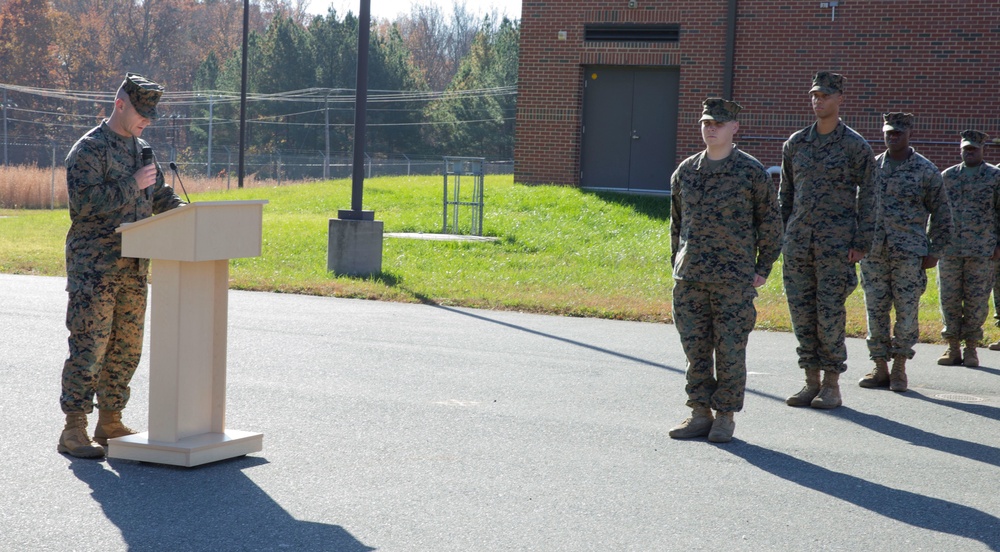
{"x": 203, "y": 231}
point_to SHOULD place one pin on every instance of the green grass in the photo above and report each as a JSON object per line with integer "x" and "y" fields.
{"x": 560, "y": 250}
{"x": 33, "y": 242}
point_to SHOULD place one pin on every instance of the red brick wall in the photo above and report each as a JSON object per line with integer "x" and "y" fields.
{"x": 939, "y": 60}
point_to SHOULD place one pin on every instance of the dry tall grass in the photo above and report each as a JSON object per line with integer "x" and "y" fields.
{"x": 32, "y": 187}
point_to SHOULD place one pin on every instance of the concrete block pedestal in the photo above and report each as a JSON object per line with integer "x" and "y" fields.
{"x": 354, "y": 247}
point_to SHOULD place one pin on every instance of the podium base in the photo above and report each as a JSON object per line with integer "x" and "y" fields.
{"x": 189, "y": 451}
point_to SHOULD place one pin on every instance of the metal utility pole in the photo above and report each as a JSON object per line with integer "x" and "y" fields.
{"x": 326, "y": 160}
{"x": 4, "y": 106}
{"x": 360, "y": 120}
{"x": 243, "y": 89}
{"x": 354, "y": 245}
{"x": 211, "y": 117}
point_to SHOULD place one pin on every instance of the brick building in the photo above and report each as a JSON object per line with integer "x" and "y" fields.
{"x": 610, "y": 91}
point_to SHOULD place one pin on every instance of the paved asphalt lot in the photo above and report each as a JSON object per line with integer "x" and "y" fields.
{"x": 425, "y": 428}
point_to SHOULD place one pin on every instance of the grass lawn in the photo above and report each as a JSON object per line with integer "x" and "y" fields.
{"x": 560, "y": 250}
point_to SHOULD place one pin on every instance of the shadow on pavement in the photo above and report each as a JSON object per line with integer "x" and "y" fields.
{"x": 976, "y": 408}
{"x": 212, "y": 507}
{"x": 557, "y": 338}
{"x": 914, "y": 509}
{"x": 985, "y": 369}
{"x": 918, "y": 437}
{"x": 574, "y": 342}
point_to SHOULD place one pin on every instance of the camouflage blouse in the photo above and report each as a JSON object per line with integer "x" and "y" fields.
{"x": 724, "y": 221}
{"x": 909, "y": 197}
{"x": 102, "y": 195}
{"x": 826, "y": 193}
{"x": 975, "y": 210}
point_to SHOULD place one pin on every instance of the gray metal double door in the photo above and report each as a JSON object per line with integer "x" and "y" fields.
{"x": 629, "y": 128}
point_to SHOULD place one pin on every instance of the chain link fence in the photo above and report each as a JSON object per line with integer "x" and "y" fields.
{"x": 279, "y": 166}
{"x": 285, "y": 166}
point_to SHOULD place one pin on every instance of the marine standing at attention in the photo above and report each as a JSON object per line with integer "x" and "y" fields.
{"x": 909, "y": 194}
{"x": 725, "y": 233}
{"x": 965, "y": 273}
{"x": 827, "y": 205}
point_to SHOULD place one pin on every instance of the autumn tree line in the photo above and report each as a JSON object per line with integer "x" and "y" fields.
{"x": 440, "y": 83}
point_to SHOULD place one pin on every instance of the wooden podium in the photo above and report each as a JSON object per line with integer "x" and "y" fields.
{"x": 190, "y": 248}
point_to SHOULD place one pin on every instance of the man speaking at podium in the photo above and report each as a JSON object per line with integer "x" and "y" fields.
{"x": 112, "y": 179}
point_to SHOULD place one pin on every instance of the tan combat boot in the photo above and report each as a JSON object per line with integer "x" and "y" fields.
{"x": 897, "y": 379}
{"x": 109, "y": 426}
{"x": 809, "y": 392}
{"x": 698, "y": 425}
{"x": 878, "y": 377}
{"x": 722, "y": 428}
{"x": 74, "y": 440}
{"x": 953, "y": 356}
{"x": 970, "y": 358}
{"x": 829, "y": 392}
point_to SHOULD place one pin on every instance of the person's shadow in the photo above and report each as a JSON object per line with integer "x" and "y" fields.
{"x": 907, "y": 507}
{"x": 213, "y": 507}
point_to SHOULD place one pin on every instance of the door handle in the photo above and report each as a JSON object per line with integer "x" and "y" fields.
{"x": 635, "y": 135}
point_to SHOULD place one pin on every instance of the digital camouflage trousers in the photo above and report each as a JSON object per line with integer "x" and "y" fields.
{"x": 714, "y": 322}
{"x": 964, "y": 285}
{"x": 105, "y": 318}
{"x": 892, "y": 282}
{"x": 817, "y": 287}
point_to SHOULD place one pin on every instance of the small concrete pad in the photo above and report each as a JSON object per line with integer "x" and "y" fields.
{"x": 440, "y": 237}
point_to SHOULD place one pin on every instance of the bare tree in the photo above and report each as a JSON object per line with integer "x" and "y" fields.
{"x": 293, "y": 10}
{"x": 464, "y": 28}
{"x": 437, "y": 44}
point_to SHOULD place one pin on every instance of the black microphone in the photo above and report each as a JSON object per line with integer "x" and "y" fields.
{"x": 173, "y": 167}
{"x": 147, "y": 159}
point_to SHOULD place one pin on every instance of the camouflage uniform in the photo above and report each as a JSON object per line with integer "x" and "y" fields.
{"x": 891, "y": 274}
{"x": 996, "y": 299}
{"x": 827, "y": 205}
{"x": 107, "y": 293}
{"x": 725, "y": 228}
{"x": 996, "y": 295}
{"x": 966, "y": 271}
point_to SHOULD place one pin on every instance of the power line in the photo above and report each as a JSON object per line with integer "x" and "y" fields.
{"x": 307, "y": 109}
{"x": 201, "y": 99}
{"x": 313, "y": 95}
